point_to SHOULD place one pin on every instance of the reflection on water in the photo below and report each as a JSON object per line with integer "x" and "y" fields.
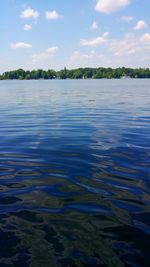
{"x": 74, "y": 173}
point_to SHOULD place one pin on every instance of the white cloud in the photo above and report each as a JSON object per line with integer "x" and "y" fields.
{"x": 130, "y": 44}
{"x": 78, "y": 59}
{"x": 110, "y": 6}
{"x": 133, "y": 51}
{"x": 94, "y": 25}
{"x": 44, "y": 55}
{"x": 27, "y": 27}
{"x": 145, "y": 38}
{"x": 126, "y": 46}
{"x": 127, "y": 18}
{"x": 52, "y": 15}
{"x": 20, "y": 45}
{"x": 52, "y": 50}
{"x": 77, "y": 55}
{"x": 141, "y": 24}
{"x": 29, "y": 13}
{"x": 130, "y": 50}
{"x": 95, "y": 42}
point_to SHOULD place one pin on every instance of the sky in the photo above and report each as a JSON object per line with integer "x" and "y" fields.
{"x": 53, "y": 34}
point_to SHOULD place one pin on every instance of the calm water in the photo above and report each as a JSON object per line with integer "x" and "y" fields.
{"x": 75, "y": 173}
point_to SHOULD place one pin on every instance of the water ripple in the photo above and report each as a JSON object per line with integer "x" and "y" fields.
{"x": 74, "y": 173}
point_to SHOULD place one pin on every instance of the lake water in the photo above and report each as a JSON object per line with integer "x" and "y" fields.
{"x": 75, "y": 173}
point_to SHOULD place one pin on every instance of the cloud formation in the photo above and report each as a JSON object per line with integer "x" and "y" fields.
{"x": 78, "y": 56}
{"x": 52, "y": 50}
{"x": 141, "y": 24}
{"x": 44, "y": 55}
{"x": 52, "y": 15}
{"x": 27, "y": 27}
{"x": 127, "y": 18}
{"x": 145, "y": 38}
{"x": 96, "y": 41}
{"x": 20, "y": 45}
{"x": 29, "y": 13}
{"x": 129, "y": 50}
{"x": 78, "y": 59}
{"x": 94, "y": 25}
{"x": 110, "y": 6}
{"x": 125, "y": 46}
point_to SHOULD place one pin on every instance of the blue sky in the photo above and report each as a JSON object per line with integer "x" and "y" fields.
{"x": 74, "y": 33}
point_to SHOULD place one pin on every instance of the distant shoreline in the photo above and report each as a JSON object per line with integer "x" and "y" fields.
{"x": 68, "y": 79}
{"x": 80, "y": 73}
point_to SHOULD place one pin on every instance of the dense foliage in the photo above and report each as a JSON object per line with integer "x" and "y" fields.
{"x": 80, "y": 73}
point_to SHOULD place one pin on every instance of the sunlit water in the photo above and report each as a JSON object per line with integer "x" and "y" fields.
{"x": 74, "y": 173}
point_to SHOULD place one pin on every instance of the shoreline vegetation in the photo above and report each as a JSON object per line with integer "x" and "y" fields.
{"x": 79, "y": 73}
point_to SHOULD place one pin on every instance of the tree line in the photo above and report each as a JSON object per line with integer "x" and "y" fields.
{"x": 80, "y": 73}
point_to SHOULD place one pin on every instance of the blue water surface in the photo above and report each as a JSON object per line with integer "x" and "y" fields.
{"x": 75, "y": 173}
